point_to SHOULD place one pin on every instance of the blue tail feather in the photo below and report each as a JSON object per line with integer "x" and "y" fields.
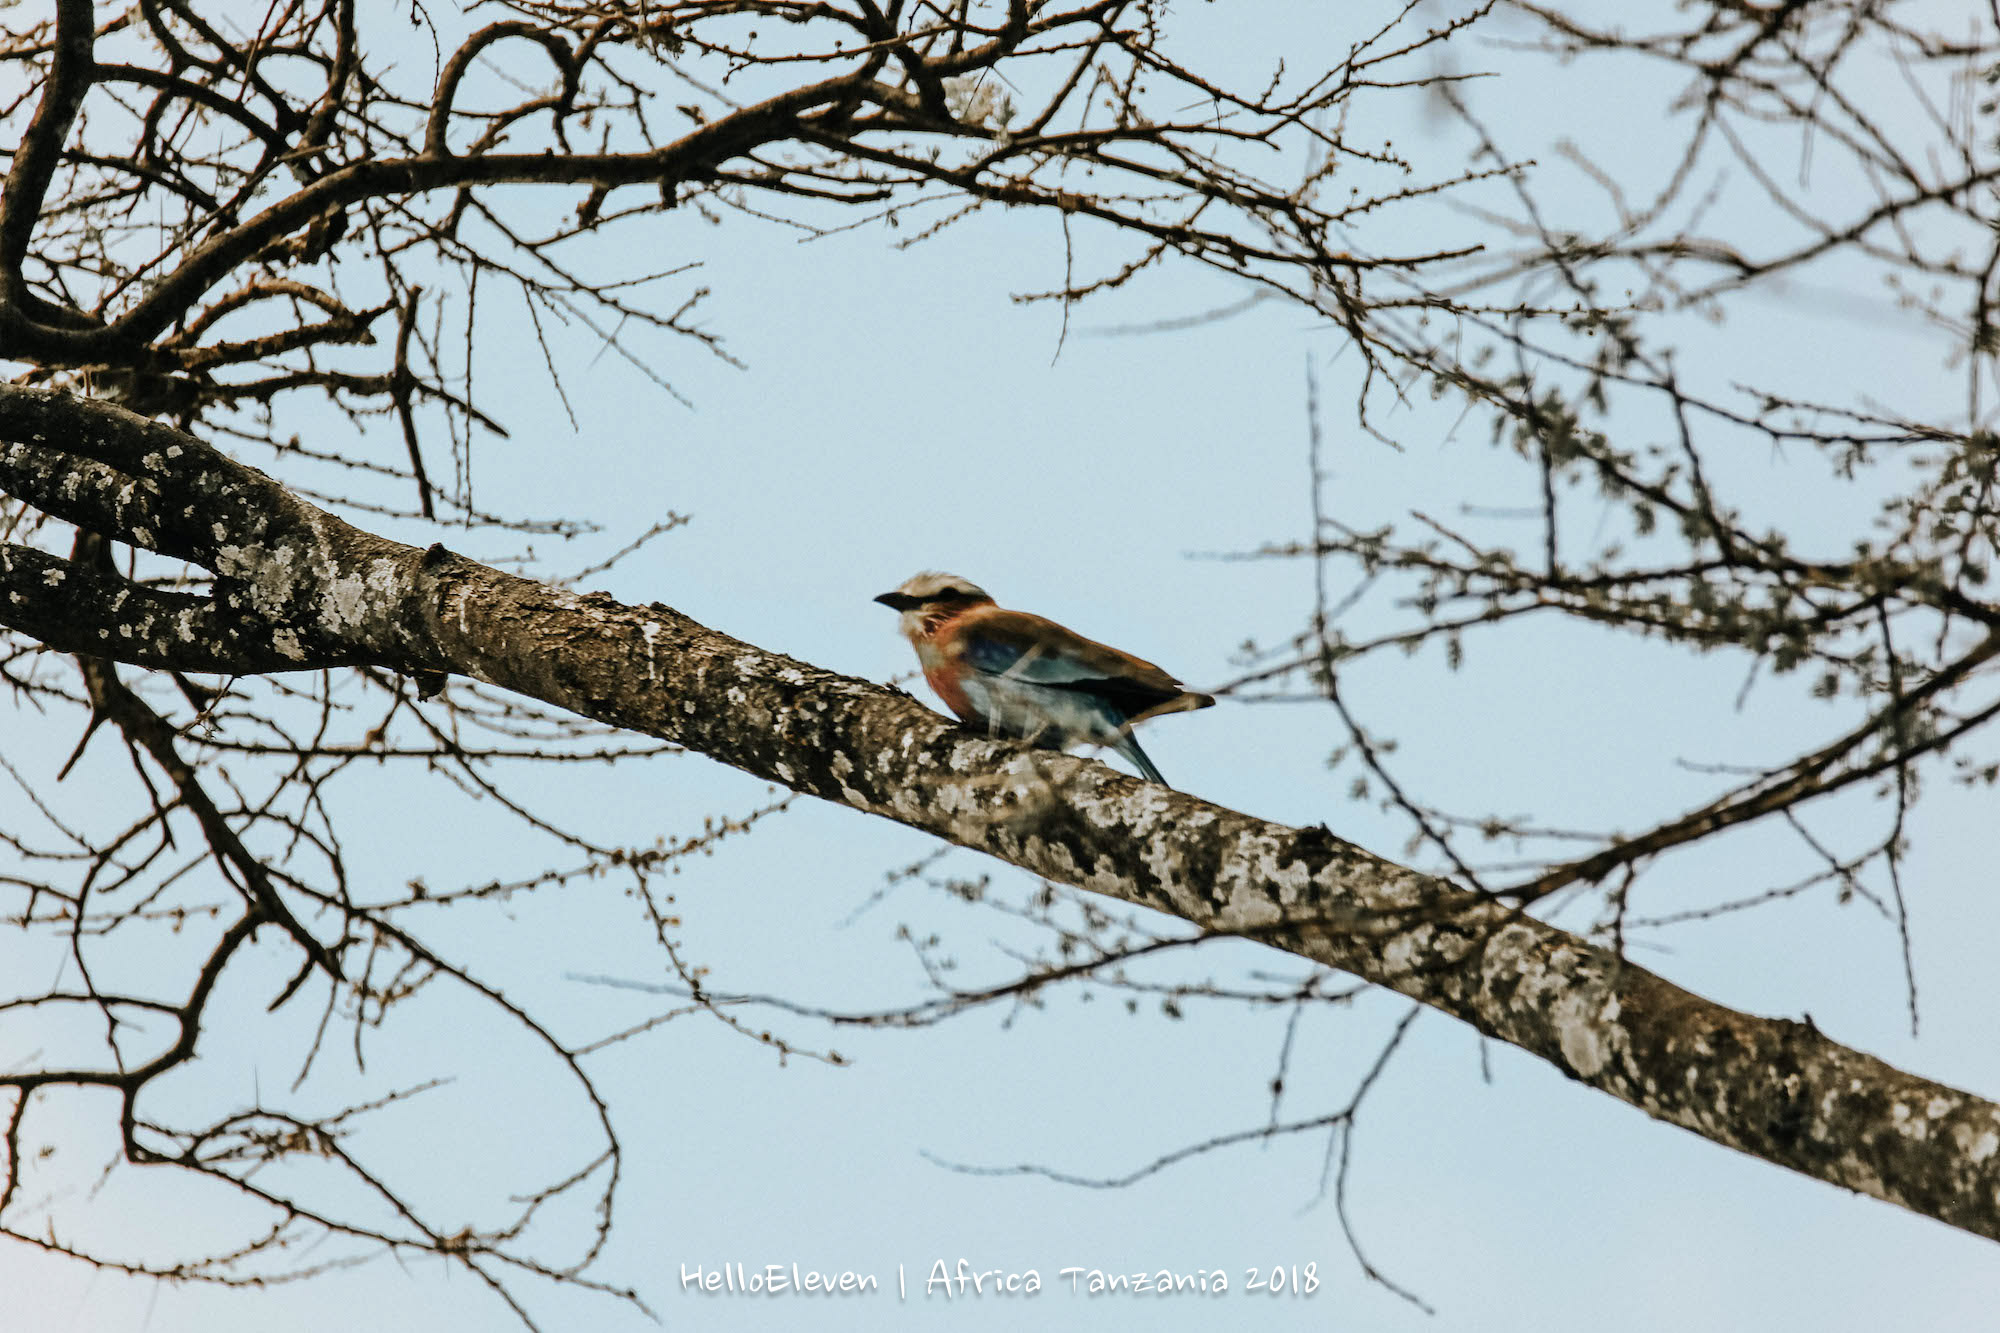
{"x": 1128, "y": 745}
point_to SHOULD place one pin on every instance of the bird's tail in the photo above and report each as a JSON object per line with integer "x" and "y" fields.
{"x": 1128, "y": 745}
{"x": 1184, "y": 702}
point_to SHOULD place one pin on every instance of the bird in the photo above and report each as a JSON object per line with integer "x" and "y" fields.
{"x": 1019, "y": 676}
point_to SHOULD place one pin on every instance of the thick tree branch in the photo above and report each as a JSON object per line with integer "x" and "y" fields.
{"x": 95, "y": 497}
{"x": 34, "y": 166}
{"x": 74, "y": 607}
{"x": 1776, "y": 1089}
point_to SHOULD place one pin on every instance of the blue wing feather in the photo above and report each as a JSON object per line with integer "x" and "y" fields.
{"x": 999, "y": 655}
{"x": 985, "y": 653}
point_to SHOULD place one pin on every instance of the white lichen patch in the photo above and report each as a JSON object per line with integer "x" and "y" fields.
{"x": 1853, "y": 1171}
{"x": 345, "y": 602}
{"x": 1166, "y": 864}
{"x": 1587, "y": 1031}
{"x": 1290, "y": 880}
{"x": 650, "y": 632}
{"x": 1564, "y": 989}
{"x": 1247, "y": 908}
{"x": 1909, "y": 1124}
{"x": 287, "y": 643}
{"x": 268, "y": 573}
{"x": 843, "y": 769}
{"x": 909, "y": 805}
{"x": 1107, "y": 882}
{"x": 347, "y": 598}
{"x": 1975, "y": 1145}
{"x": 1050, "y": 859}
{"x": 1409, "y": 950}
{"x": 1511, "y": 954}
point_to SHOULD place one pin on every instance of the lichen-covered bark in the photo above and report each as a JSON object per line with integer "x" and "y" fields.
{"x": 321, "y": 590}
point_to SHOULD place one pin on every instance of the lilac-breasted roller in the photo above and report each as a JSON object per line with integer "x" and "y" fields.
{"x": 1017, "y": 675}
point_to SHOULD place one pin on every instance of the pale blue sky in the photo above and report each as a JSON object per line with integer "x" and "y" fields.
{"x": 900, "y": 412}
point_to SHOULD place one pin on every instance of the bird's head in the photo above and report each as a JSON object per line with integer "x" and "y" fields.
{"x": 924, "y": 599}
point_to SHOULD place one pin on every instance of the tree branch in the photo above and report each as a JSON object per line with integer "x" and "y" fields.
{"x": 74, "y": 607}
{"x": 69, "y": 75}
{"x": 1776, "y": 1089}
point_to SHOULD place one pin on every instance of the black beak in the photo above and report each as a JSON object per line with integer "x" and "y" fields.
{"x": 898, "y": 601}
